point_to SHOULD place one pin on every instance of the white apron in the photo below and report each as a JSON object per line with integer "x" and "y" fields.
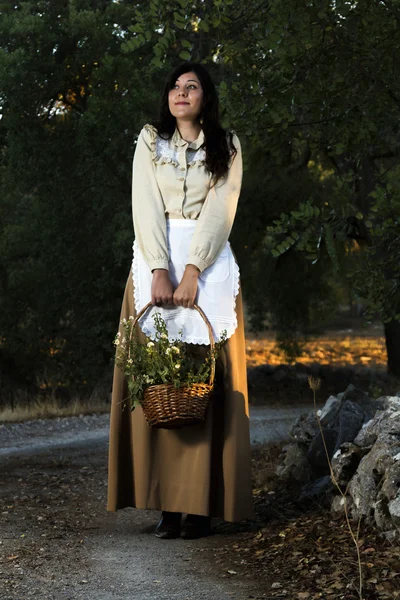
{"x": 218, "y": 286}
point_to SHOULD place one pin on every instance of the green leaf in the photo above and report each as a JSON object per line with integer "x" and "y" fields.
{"x": 156, "y": 61}
{"x": 136, "y": 28}
{"x": 184, "y": 55}
{"x": 178, "y": 18}
{"x": 186, "y": 43}
{"x": 204, "y": 26}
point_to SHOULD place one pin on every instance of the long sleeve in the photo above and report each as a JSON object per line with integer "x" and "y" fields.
{"x": 217, "y": 215}
{"x": 148, "y": 210}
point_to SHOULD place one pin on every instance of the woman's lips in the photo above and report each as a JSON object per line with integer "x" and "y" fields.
{"x": 181, "y": 102}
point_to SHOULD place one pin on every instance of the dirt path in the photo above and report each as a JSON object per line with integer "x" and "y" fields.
{"x": 267, "y": 424}
{"x": 57, "y": 540}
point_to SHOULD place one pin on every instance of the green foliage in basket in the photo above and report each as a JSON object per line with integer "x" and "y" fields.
{"x": 160, "y": 361}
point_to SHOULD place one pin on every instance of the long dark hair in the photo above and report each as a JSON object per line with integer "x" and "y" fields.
{"x": 218, "y": 150}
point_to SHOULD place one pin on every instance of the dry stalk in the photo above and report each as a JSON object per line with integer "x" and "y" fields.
{"x": 315, "y": 384}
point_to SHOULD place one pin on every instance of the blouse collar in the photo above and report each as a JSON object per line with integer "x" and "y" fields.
{"x": 179, "y": 141}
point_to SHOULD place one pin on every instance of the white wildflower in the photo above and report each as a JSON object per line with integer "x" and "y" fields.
{"x": 131, "y": 317}
{"x": 119, "y": 334}
{"x": 177, "y": 366}
{"x": 164, "y": 336}
{"x": 124, "y": 320}
{"x": 116, "y": 342}
{"x": 175, "y": 349}
{"x": 168, "y": 351}
{"x": 150, "y": 344}
{"x": 129, "y": 361}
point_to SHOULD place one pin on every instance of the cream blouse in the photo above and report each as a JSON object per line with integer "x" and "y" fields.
{"x": 170, "y": 181}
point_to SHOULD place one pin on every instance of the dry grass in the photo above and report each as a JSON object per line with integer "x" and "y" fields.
{"x": 51, "y": 407}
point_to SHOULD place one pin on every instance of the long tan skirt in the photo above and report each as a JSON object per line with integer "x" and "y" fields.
{"x": 200, "y": 469}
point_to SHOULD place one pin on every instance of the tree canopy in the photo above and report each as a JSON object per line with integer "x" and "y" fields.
{"x": 311, "y": 88}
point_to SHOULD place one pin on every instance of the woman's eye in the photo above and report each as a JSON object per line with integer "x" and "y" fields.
{"x": 190, "y": 86}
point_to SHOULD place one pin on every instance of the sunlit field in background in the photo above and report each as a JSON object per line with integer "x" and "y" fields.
{"x": 355, "y": 354}
{"x": 335, "y": 348}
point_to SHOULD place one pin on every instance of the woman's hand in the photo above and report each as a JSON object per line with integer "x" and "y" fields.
{"x": 185, "y": 293}
{"x": 162, "y": 291}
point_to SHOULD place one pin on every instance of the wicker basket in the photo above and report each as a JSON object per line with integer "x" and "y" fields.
{"x": 167, "y": 407}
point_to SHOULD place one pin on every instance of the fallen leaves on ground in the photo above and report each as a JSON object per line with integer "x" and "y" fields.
{"x": 301, "y": 551}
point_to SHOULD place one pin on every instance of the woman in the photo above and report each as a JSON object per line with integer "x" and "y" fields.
{"x": 187, "y": 174}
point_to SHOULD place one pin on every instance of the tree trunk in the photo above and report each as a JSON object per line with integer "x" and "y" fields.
{"x": 392, "y": 334}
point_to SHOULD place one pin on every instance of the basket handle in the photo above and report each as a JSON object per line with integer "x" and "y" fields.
{"x": 206, "y": 321}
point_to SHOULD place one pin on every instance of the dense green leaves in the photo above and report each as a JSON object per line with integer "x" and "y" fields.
{"x": 313, "y": 91}
{"x": 70, "y": 119}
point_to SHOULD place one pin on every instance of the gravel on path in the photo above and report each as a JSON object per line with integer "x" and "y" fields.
{"x": 58, "y": 542}
{"x": 266, "y": 425}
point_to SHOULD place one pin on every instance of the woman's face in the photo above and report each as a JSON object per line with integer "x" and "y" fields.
{"x": 185, "y": 99}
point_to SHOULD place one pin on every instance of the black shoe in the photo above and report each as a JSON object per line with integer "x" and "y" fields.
{"x": 169, "y": 526}
{"x": 196, "y": 526}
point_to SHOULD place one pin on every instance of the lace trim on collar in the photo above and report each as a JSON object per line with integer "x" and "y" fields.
{"x": 163, "y": 153}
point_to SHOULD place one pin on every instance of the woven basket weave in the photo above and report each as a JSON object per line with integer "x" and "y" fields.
{"x": 167, "y": 407}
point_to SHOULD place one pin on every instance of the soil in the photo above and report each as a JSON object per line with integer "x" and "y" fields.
{"x": 59, "y": 542}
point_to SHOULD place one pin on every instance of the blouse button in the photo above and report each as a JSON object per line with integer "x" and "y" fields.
{"x": 183, "y": 169}
{"x": 181, "y": 179}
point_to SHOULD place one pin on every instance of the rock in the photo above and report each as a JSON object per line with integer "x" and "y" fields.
{"x": 369, "y": 477}
{"x": 356, "y": 394}
{"x": 391, "y": 484}
{"x": 338, "y": 504}
{"x": 345, "y": 462}
{"x": 343, "y": 419}
{"x": 394, "y": 510}
{"x": 320, "y": 487}
{"x": 362, "y": 439}
{"x": 349, "y": 422}
{"x": 385, "y": 421}
{"x": 366, "y": 437}
{"x": 295, "y": 465}
{"x": 391, "y": 535}
{"x": 381, "y": 514}
{"x": 331, "y": 409}
{"x": 316, "y": 455}
{"x": 305, "y": 428}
